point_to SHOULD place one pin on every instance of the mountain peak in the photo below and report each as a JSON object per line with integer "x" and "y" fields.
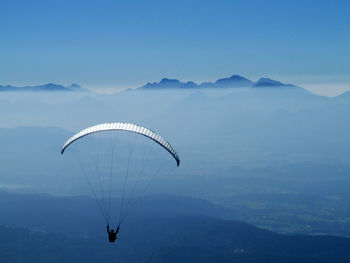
{"x": 266, "y": 82}
{"x": 74, "y": 86}
{"x": 166, "y": 81}
{"x": 234, "y": 81}
{"x": 51, "y": 86}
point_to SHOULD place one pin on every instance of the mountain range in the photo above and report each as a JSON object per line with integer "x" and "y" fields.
{"x": 44, "y": 87}
{"x": 235, "y": 81}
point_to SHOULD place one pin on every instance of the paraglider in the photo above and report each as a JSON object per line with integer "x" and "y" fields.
{"x": 112, "y": 235}
{"x": 119, "y": 160}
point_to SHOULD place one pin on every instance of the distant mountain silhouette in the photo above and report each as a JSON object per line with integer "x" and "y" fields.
{"x": 235, "y": 81}
{"x": 44, "y": 87}
{"x": 170, "y": 83}
{"x": 266, "y": 82}
{"x": 74, "y": 86}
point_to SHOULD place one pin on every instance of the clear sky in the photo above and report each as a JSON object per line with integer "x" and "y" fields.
{"x": 114, "y": 44}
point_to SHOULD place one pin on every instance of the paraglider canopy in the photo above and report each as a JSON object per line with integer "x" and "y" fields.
{"x": 125, "y": 127}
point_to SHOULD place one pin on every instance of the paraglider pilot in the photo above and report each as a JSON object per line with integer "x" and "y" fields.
{"x": 112, "y": 236}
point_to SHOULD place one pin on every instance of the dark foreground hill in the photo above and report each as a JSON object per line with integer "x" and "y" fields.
{"x": 149, "y": 236}
{"x": 183, "y": 239}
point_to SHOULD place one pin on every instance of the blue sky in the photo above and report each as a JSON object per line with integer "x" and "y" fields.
{"x": 116, "y": 44}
